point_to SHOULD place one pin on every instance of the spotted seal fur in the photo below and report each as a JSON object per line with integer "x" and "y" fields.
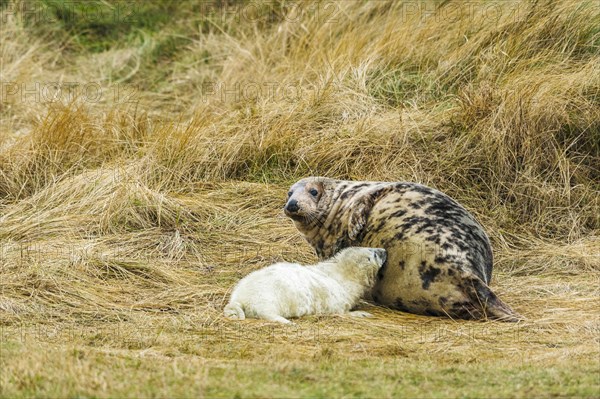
{"x": 439, "y": 257}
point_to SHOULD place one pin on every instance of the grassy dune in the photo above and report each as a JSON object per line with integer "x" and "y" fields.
{"x": 146, "y": 149}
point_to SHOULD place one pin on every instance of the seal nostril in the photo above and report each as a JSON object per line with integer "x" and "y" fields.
{"x": 381, "y": 254}
{"x": 292, "y": 206}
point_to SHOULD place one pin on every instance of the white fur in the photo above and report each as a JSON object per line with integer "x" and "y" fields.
{"x": 286, "y": 290}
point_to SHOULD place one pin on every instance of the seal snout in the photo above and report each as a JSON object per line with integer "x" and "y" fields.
{"x": 291, "y": 207}
{"x": 380, "y": 255}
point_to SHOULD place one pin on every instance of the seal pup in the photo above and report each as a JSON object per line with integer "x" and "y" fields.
{"x": 439, "y": 257}
{"x": 286, "y": 290}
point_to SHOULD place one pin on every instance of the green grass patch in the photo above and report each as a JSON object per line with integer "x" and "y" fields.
{"x": 98, "y": 26}
{"x": 77, "y": 372}
{"x": 400, "y": 87}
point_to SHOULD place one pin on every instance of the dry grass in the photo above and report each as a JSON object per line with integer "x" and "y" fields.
{"x": 125, "y": 219}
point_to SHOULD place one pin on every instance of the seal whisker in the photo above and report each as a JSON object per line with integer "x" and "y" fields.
{"x": 313, "y": 217}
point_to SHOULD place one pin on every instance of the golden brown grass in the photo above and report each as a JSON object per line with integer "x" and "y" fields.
{"x": 126, "y": 219}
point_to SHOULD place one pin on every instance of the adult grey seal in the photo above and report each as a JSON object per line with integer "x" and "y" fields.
{"x": 439, "y": 258}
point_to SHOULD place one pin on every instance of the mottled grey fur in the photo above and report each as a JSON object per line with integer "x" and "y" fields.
{"x": 439, "y": 257}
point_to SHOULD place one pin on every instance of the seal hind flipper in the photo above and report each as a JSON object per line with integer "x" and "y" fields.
{"x": 488, "y": 303}
{"x": 234, "y": 310}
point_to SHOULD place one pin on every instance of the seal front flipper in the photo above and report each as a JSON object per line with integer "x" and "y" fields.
{"x": 358, "y": 219}
{"x": 361, "y": 209}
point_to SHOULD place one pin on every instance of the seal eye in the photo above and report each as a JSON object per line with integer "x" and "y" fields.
{"x": 314, "y": 192}
{"x": 290, "y": 194}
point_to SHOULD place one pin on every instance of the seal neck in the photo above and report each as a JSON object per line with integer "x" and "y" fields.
{"x": 335, "y": 207}
{"x": 318, "y": 232}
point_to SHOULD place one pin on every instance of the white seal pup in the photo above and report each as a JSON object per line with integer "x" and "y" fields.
{"x": 287, "y": 290}
{"x": 439, "y": 258}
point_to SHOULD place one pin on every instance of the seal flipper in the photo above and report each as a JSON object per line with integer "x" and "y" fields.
{"x": 488, "y": 303}
{"x": 361, "y": 208}
{"x": 234, "y": 310}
